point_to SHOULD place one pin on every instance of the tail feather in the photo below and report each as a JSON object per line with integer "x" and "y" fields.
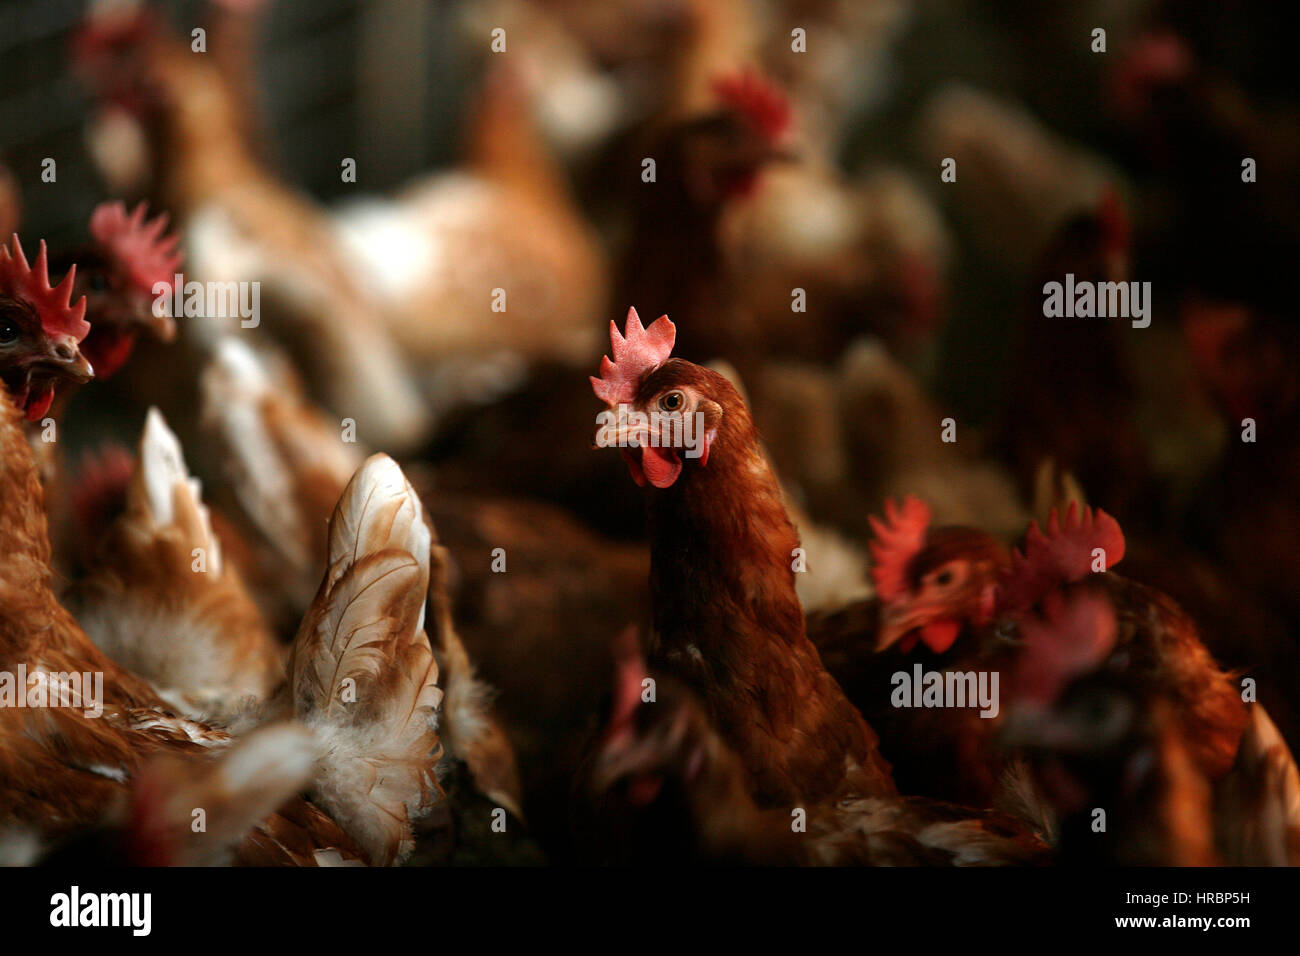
{"x": 362, "y": 672}
{"x": 160, "y": 600}
{"x": 163, "y": 492}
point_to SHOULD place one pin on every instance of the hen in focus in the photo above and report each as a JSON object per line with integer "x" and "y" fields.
{"x": 727, "y": 619}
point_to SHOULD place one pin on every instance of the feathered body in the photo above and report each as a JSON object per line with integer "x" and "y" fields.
{"x": 62, "y": 768}
{"x": 665, "y": 786}
{"x": 728, "y": 621}
{"x": 955, "y": 599}
{"x": 162, "y": 601}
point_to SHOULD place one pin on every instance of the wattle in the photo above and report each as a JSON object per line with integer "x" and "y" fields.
{"x": 939, "y": 635}
{"x": 661, "y": 466}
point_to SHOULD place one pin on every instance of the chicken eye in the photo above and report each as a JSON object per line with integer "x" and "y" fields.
{"x": 946, "y": 576}
{"x": 8, "y": 333}
{"x": 99, "y": 282}
{"x": 672, "y": 401}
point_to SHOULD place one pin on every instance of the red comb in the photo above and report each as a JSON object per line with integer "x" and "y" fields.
{"x": 32, "y": 284}
{"x": 899, "y": 538}
{"x": 1062, "y": 555}
{"x": 636, "y": 352}
{"x": 764, "y": 105}
{"x": 1070, "y": 638}
{"x": 140, "y": 247}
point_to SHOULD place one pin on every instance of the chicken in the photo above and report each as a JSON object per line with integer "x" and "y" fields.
{"x": 434, "y": 256}
{"x": 1108, "y": 743}
{"x": 61, "y": 766}
{"x": 126, "y": 275}
{"x": 361, "y": 643}
{"x": 162, "y": 601}
{"x": 1099, "y": 736}
{"x": 674, "y": 261}
{"x": 40, "y": 331}
{"x": 665, "y": 787}
{"x": 726, "y": 616}
{"x": 243, "y": 225}
{"x": 956, "y": 591}
{"x": 575, "y": 103}
{"x": 286, "y": 465}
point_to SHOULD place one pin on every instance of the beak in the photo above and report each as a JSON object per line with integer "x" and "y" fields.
{"x": 622, "y": 434}
{"x": 897, "y": 622}
{"x": 65, "y": 356}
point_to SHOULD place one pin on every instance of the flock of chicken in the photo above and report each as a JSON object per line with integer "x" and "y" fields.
{"x": 813, "y": 647}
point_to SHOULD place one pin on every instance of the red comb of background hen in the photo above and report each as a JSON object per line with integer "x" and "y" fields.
{"x": 765, "y": 105}
{"x": 142, "y": 248}
{"x": 1062, "y": 555}
{"x": 109, "y": 31}
{"x": 1071, "y": 638}
{"x": 18, "y": 280}
{"x": 899, "y": 538}
{"x": 636, "y": 352}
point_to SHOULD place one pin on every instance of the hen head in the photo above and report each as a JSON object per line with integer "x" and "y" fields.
{"x": 722, "y": 152}
{"x": 131, "y": 60}
{"x": 127, "y": 277}
{"x": 1089, "y": 729}
{"x": 932, "y": 582}
{"x": 665, "y": 414}
{"x": 40, "y": 331}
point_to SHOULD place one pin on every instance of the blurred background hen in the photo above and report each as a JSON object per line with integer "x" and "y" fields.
{"x": 848, "y": 212}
